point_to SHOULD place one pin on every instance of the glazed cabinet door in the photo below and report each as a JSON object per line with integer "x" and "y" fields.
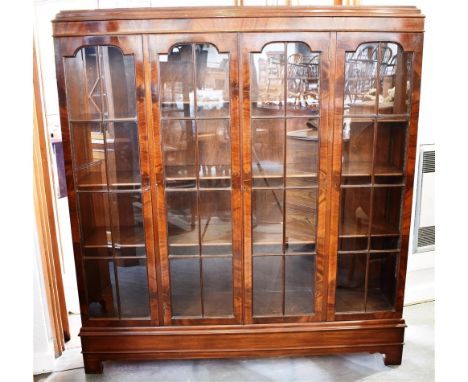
{"x": 197, "y": 173}
{"x": 284, "y": 135}
{"x": 377, "y": 97}
{"x": 100, "y": 83}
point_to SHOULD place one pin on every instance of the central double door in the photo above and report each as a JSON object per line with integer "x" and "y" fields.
{"x": 240, "y": 137}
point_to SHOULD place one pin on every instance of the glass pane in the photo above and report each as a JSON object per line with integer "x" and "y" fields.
{"x": 267, "y": 285}
{"x": 353, "y": 244}
{"x": 185, "y": 287}
{"x": 127, "y": 219}
{"x": 214, "y": 153}
{"x": 119, "y": 83}
{"x": 301, "y": 215}
{"x": 94, "y": 219}
{"x": 101, "y": 288}
{"x": 300, "y": 285}
{"x": 303, "y": 79}
{"x": 395, "y": 76}
{"x": 101, "y": 81}
{"x": 381, "y": 281}
{"x": 89, "y": 158}
{"x": 82, "y": 83}
{"x": 182, "y": 218}
{"x": 385, "y": 242}
{"x": 212, "y": 81}
{"x": 179, "y": 143}
{"x": 355, "y": 211}
{"x": 358, "y": 138}
{"x": 360, "y": 80}
{"x": 302, "y": 151}
{"x": 267, "y": 80}
{"x": 123, "y": 154}
{"x": 350, "y": 282}
{"x": 97, "y": 252}
{"x": 390, "y": 151}
{"x": 133, "y": 288}
{"x": 176, "y": 82}
{"x": 217, "y": 287}
{"x": 267, "y": 216}
{"x": 267, "y": 152}
{"x": 386, "y": 210}
{"x": 215, "y": 217}
{"x": 130, "y": 252}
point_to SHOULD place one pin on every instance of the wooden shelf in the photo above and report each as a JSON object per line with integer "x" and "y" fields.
{"x": 379, "y": 228}
{"x": 352, "y": 301}
{"x": 214, "y": 232}
{"x": 127, "y": 238}
{"x": 93, "y": 179}
{"x": 365, "y": 169}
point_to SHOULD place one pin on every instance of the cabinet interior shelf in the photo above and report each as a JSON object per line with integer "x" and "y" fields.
{"x": 365, "y": 169}
{"x": 128, "y": 237}
{"x": 94, "y": 179}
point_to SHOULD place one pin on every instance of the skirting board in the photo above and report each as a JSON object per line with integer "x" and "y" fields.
{"x": 384, "y": 336}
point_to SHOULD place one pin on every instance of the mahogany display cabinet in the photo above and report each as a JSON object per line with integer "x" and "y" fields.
{"x": 239, "y": 179}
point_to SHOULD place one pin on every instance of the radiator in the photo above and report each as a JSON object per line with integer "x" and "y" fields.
{"x": 424, "y": 221}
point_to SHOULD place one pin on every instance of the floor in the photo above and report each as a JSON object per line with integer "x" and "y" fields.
{"x": 418, "y": 363}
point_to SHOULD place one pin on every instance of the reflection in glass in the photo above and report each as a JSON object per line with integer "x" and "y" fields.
{"x": 285, "y": 74}
{"x": 214, "y": 152}
{"x": 301, "y": 215}
{"x": 182, "y": 217}
{"x": 122, "y": 154}
{"x": 179, "y": 144}
{"x": 303, "y": 76}
{"x": 267, "y": 216}
{"x": 101, "y": 288}
{"x": 386, "y": 210}
{"x": 95, "y": 219}
{"x": 390, "y": 151}
{"x": 176, "y": 82}
{"x": 267, "y": 285}
{"x": 395, "y": 70}
{"x": 360, "y": 80}
{"x": 89, "y": 158}
{"x": 133, "y": 288}
{"x": 358, "y": 138}
{"x": 267, "y": 80}
{"x": 299, "y": 294}
{"x": 185, "y": 287}
{"x": 102, "y": 82}
{"x": 381, "y": 284}
{"x": 350, "y": 282}
{"x": 267, "y": 152}
{"x": 212, "y": 81}
{"x": 302, "y": 151}
{"x": 217, "y": 287}
{"x": 355, "y": 211}
{"x": 215, "y": 217}
{"x": 127, "y": 219}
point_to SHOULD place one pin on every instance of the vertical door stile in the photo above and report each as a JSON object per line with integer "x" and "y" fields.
{"x": 154, "y": 274}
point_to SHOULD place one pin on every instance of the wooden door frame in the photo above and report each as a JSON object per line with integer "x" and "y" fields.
{"x": 129, "y": 45}
{"x": 317, "y": 42}
{"x": 349, "y": 42}
{"x": 46, "y": 218}
{"x": 161, "y": 44}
